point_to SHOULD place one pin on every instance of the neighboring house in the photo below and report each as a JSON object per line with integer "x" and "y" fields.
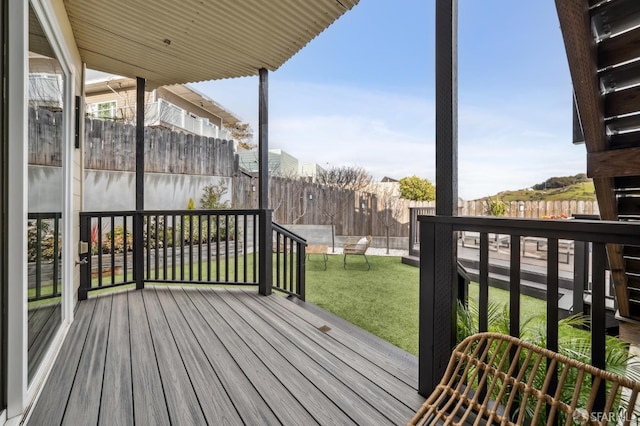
{"x": 387, "y": 186}
{"x": 281, "y": 163}
{"x": 45, "y": 82}
{"x": 311, "y": 171}
{"x": 177, "y": 107}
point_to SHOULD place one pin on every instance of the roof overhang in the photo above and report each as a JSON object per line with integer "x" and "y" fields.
{"x": 173, "y": 42}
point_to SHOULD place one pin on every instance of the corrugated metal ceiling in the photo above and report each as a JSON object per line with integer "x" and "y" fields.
{"x": 169, "y": 41}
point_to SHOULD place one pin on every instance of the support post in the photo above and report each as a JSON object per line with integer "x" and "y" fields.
{"x": 266, "y": 255}
{"x": 438, "y": 290}
{"x": 265, "y": 276}
{"x": 138, "y": 222}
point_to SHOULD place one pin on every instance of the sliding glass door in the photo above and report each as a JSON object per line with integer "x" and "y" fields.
{"x": 46, "y": 139}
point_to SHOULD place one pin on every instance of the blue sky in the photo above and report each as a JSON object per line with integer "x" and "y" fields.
{"x": 362, "y": 93}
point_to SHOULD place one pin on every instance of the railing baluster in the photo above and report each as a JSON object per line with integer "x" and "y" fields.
{"x": 147, "y": 245}
{"x": 112, "y": 245}
{"x": 552, "y": 310}
{"x": 156, "y": 261}
{"x": 483, "y": 291}
{"x": 56, "y": 253}
{"x": 255, "y": 248}
{"x": 174, "y": 237}
{"x": 38, "y": 256}
{"x": 514, "y": 287}
{"x": 126, "y": 248}
{"x": 580, "y": 275}
{"x": 598, "y": 317}
{"x": 226, "y": 248}
{"x": 182, "y": 241}
{"x": 277, "y": 280}
{"x": 291, "y": 261}
{"x": 85, "y": 269}
{"x": 218, "y": 247}
{"x": 113, "y": 252}
{"x": 209, "y": 247}
{"x": 190, "y": 236}
{"x": 200, "y": 236}
{"x": 235, "y": 248}
{"x": 165, "y": 225}
{"x": 244, "y": 248}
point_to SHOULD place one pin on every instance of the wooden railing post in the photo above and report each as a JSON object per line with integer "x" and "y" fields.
{"x": 301, "y": 270}
{"x": 265, "y": 252}
{"x": 438, "y": 304}
{"x": 138, "y": 249}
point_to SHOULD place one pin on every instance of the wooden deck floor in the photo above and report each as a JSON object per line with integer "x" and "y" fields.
{"x": 213, "y": 356}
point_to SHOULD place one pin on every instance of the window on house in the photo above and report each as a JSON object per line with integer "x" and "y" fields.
{"x": 103, "y": 110}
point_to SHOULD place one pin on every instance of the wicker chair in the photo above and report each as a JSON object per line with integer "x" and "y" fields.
{"x": 497, "y": 379}
{"x": 356, "y": 245}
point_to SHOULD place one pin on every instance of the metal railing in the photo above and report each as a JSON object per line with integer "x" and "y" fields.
{"x": 438, "y": 298}
{"x": 187, "y": 247}
{"x": 44, "y": 257}
{"x": 289, "y": 257}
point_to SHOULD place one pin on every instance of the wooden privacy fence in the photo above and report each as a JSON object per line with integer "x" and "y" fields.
{"x": 533, "y": 209}
{"x": 305, "y": 203}
{"x": 110, "y": 145}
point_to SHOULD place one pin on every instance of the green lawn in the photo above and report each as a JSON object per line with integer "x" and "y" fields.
{"x": 384, "y": 300}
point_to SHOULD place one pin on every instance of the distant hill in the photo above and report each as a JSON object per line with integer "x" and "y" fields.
{"x": 577, "y": 188}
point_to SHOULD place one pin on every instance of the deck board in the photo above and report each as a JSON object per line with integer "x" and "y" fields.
{"x": 215, "y": 356}
{"x": 354, "y": 345}
{"x": 83, "y": 407}
{"x": 55, "y": 394}
{"x": 149, "y": 406}
{"x": 338, "y": 367}
{"x": 348, "y": 401}
{"x": 239, "y": 388}
{"x": 117, "y": 392}
{"x": 365, "y": 360}
{"x": 324, "y": 409}
{"x": 271, "y": 390}
{"x": 216, "y": 405}
{"x": 182, "y": 401}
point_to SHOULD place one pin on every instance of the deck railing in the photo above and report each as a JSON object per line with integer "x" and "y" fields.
{"x": 185, "y": 247}
{"x": 438, "y": 298}
{"x": 289, "y": 258}
{"x": 44, "y": 255}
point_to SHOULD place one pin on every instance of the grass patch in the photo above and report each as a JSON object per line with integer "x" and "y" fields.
{"x": 383, "y": 301}
{"x": 582, "y": 191}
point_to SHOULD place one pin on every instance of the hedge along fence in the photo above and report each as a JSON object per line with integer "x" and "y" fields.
{"x": 533, "y": 209}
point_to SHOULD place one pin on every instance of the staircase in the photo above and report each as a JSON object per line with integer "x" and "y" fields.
{"x": 602, "y": 40}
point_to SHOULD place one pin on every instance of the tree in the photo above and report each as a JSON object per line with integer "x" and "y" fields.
{"x": 354, "y": 178}
{"x": 212, "y": 196}
{"x": 495, "y": 206}
{"x": 241, "y": 133}
{"x": 388, "y": 212}
{"x": 417, "y": 189}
